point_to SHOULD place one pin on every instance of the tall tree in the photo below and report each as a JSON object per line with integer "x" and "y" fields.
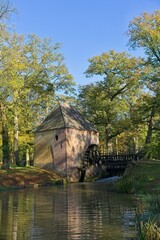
{"x": 6, "y": 10}
{"x": 144, "y": 32}
{"x": 32, "y": 73}
{"x": 106, "y": 100}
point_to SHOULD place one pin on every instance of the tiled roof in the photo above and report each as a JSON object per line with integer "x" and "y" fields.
{"x": 65, "y": 116}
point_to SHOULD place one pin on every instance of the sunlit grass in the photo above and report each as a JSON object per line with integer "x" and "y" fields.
{"x": 149, "y": 230}
{"x": 17, "y": 177}
{"x": 142, "y": 177}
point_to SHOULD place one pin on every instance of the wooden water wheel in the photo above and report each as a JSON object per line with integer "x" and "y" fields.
{"x": 91, "y": 157}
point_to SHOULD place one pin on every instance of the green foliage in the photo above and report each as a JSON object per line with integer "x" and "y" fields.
{"x": 125, "y": 185}
{"x": 144, "y": 179}
{"x": 31, "y": 76}
{"x": 107, "y": 103}
{"x": 147, "y": 217}
{"x": 124, "y": 102}
{"x": 144, "y": 32}
{"x": 154, "y": 204}
{"x": 148, "y": 230}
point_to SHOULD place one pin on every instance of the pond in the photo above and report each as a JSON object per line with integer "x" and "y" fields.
{"x": 85, "y": 211}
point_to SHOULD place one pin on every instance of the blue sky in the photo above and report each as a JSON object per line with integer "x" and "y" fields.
{"x": 84, "y": 27}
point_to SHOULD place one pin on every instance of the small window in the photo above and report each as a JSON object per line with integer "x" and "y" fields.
{"x": 56, "y": 137}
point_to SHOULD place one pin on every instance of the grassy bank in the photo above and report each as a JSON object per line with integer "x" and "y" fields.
{"x": 27, "y": 177}
{"x": 143, "y": 180}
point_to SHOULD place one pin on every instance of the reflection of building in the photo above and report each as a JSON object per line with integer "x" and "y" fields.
{"x": 62, "y": 139}
{"x": 67, "y": 212}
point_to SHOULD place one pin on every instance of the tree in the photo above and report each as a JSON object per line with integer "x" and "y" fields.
{"x": 6, "y": 9}
{"x": 144, "y": 32}
{"x": 32, "y": 74}
{"x": 106, "y": 100}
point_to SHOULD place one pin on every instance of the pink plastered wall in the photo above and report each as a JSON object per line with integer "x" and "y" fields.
{"x": 63, "y": 150}
{"x": 50, "y": 150}
{"x": 77, "y": 141}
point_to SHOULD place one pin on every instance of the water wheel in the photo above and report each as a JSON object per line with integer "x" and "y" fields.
{"x": 91, "y": 157}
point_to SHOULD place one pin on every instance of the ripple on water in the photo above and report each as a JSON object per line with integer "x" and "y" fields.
{"x": 84, "y": 211}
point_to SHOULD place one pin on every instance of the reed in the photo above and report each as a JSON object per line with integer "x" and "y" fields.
{"x": 148, "y": 230}
{"x": 147, "y": 220}
{"x": 125, "y": 185}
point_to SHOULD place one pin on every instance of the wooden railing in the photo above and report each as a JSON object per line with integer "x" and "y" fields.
{"x": 116, "y": 164}
{"x": 118, "y": 158}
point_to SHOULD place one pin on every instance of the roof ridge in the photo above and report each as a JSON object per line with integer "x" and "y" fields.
{"x": 60, "y": 106}
{"x": 65, "y": 115}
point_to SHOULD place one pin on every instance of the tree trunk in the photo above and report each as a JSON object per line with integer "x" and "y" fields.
{"x": 5, "y": 139}
{"x": 117, "y": 151}
{"x": 16, "y": 149}
{"x": 150, "y": 126}
{"x": 27, "y": 158}
{"x": 107, "y": 139}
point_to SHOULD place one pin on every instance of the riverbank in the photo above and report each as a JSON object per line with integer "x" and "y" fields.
{"x": 141, "y": 177}
{"x": 24, "y": 177}
{"x": 143, "y": 180}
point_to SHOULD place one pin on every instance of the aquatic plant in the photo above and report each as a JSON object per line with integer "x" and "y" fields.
{"x": 148, "y": 230}
{"x": 147, "y": 226}
{"x": 124, "y": 185}
{"x": 154, "y": 204}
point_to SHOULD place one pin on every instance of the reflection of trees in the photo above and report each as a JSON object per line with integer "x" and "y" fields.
{"x": 77, "y": 211}
{"x": 95, "y": 213}
{"x": 15, "y": 215}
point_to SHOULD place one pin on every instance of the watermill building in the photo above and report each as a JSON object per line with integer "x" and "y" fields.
{"x": 62, "y": 140}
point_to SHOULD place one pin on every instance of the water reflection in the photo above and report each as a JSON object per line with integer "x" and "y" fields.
{"x": 77, "y": 211}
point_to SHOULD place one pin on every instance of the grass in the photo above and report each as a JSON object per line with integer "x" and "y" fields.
{"x": 143, "y": 179}
{"x": 21, "y": 177}
{"x": 125, "y": 185}
{"x": 149, "y": 230}
{"x": 148, "y": 219}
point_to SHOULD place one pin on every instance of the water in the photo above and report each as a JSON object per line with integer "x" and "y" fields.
{"x": 85, "y": 211}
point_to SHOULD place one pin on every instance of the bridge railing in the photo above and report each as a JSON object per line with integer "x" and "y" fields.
{"x": 96, "y": 157}
{"x": 121, "y": 157}
{"x": 116, "y": 164}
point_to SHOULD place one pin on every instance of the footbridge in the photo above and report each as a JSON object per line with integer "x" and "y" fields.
{"x": 115, "y": 164}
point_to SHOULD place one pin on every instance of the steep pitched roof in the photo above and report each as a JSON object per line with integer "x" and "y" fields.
{"x": 65, "y": 116}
